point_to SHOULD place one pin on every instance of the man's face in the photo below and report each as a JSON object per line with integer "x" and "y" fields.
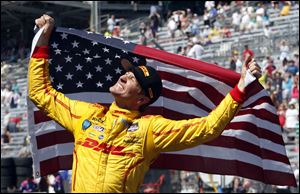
{"x": 127, "y": 87}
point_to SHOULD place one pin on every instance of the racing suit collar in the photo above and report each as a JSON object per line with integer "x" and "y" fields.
{"x": 120, "y": 112}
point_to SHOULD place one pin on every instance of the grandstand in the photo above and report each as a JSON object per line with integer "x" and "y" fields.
{"x": 282, "y": 27}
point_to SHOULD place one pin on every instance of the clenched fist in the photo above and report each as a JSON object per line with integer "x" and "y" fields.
{"x": 254, "y": 69}
{"x": 47, "y": 22}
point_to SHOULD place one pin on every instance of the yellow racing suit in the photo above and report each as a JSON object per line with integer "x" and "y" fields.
{"x": 114, "y": 147}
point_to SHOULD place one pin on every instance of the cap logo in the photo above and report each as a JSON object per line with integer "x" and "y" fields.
{"x": 145, "y": 70}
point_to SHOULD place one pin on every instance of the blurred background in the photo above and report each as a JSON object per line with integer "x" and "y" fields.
{"x": 219, "y": 32}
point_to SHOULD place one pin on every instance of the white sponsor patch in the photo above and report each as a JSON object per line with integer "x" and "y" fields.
{"x": 98, "y": 128}
{"x": 133, "y": 127}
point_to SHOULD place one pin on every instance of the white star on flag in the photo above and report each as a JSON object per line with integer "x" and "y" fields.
{"x": 69, "y": 76}
{"x": 89, "y": 76}
{"x": 58, "y": 68}
{"x": 135, "y": 59}
{"x": 88, "y": 59}
{"x": 75, "y": 44}
{"x": 68, "y": 59}
{"x": 106, "y": 49}
{"x": 59, "y": 86}
{"x": 79, "y": 84}
{"x": 57, "y": 51}
{"x": 117, "y": 56}
{"x": 51, "y": 79}
{"x": 78, "y": 67}
{"x": 125, "y": 51}
{"x": 97, "y": 56}
{"x": 126, "y": 42}
{"x": 86, "y": 51}
{"x": 94, "y": 43}
{"x": 99, "y": 84}
{"x": 54, "y": 45}
{"x": 50, "y": 61}
{"x": 108, "y": 61}
{"x": 108, "y": 77}
{"x": 64, "y": 36}
{"x": 98, "y": 68}
{"x": 118, "y": 71}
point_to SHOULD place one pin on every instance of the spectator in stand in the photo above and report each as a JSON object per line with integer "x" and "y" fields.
{"x": 206, "y": 18}
{"x": 295, "y": 88}
{"x": 287, "y": 87}
{"x": 236, "y": 20}
{"x": 172, "y": 27}
{"x": 13, "y": 124}
{"x": 14, "y": 86}
{"x": 154, "y": 23}
{"x": 247, "y": 51}
{"x": 292, "y": 68}
{"x": 195, "y": 25}
{"x": 292, "y": 117}
{"x": 296, "y": 58}
{"x": 15, "y": 99}
{"x": 285, "y": 51}
{"x": 285, "y": 9}
{"x": 197, "y": 50}
{"x": 281, "y": 114}
{"x": 6, "y": 118}
{"x": 236, "y": 185}
{"x": 209, "y": 5}
{"x": 143, "y": 30}
{"x": 277, "y": 85}
{"x": 43, "y": 185}
{"x": 260, "y": 13}
{"x": 5, "y": 137}
{"x": 111, "y": 22}
{"x": 58, "y": 184}
{"x": 245, "y": 21}
{"x": 116, "y": 30}
{"x": 28, "y": 185}
{"x": 25, "y": 152}
{"x": 184, "y": 20}
{"x": 6, "y": 95}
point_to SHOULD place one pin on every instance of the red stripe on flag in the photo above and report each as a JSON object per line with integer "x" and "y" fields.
{"x": 223, "y": 167}
{"x": 183, "y": 97}
{"x": 214, "y": 95}
{"x": 257, "y": 131}
{"x": 208, "y": 69}
{"x": 53, "y": 138}
{"x": 40, "y": 116}
{"x": 55, "y": 164}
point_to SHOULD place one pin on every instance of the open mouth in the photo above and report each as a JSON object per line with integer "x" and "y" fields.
{"x": 120, "y": 86}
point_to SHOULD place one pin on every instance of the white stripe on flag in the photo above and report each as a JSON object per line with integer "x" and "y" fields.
{"x": 234, "y": 154}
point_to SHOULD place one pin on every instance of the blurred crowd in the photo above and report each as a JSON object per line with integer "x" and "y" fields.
{"x": 59, "y": 182}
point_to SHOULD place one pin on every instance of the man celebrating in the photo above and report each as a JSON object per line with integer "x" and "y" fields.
{"x": 114, "y": 147}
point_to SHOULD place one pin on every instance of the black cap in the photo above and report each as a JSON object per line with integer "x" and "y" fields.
{"x": 149, "y": 80}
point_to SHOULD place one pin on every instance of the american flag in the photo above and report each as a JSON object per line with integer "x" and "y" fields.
{"x": 83, "y": 65}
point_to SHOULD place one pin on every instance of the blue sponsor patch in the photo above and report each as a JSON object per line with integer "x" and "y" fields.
{"x": 86, "y": 124}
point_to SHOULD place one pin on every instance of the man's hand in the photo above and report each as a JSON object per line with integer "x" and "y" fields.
{"x": 48, "y": 22}
{"x": 254, "y": 68}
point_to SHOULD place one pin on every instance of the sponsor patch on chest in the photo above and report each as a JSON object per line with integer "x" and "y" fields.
{"x": 133, "y": 127}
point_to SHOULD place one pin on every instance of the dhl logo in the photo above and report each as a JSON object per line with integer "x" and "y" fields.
{"x": 104, "y": 147}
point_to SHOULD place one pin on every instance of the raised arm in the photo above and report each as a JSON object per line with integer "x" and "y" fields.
{"x": 170, "y": 135}
{"x": 56, "y": 105}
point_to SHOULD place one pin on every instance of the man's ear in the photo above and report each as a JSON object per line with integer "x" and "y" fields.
{"x": 143, "y": 100}
{"x": 126, "y": 64}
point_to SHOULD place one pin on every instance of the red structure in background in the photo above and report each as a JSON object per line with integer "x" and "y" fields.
{"x": 154, "y": 187}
